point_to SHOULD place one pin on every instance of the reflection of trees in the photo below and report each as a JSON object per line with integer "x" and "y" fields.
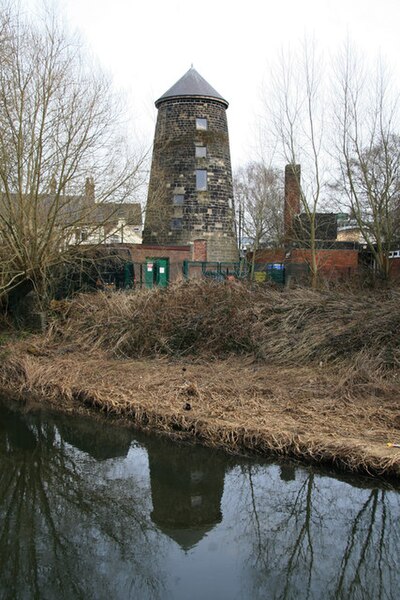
{"x": 70, "y": 528}
{"x": 370, "y": 546}
{"x": 291, "y": 547}
{"x": 316, "y": 538}
{"x": 66, "y": 531}
{"x": 300, "y": 554}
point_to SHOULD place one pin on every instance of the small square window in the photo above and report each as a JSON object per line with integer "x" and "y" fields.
{"x": 178, "y": 199}
{"x": 176, "y": 224}
{"x": 201, "y": 124}
{"x": 178, "y": 211}
{"x": 201, "y": 151}
{"x": 201, "y": 179}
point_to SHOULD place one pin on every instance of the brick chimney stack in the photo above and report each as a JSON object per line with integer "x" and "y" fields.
{"x": 292, "y": 199}
{"x": 89, "y": 189}
{"x": 53, "y": 185}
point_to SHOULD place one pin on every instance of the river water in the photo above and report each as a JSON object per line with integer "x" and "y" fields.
{"x": 88, "y": 510}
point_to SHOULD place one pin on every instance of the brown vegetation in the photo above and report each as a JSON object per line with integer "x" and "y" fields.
{"x": 212, "y": 320}
{"x": 319, "y": 382}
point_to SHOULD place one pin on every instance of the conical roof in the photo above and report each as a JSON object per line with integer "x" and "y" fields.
{"x": 192, "y": 85}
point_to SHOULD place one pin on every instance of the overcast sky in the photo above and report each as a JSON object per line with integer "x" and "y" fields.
{"x": 148, "y": 45}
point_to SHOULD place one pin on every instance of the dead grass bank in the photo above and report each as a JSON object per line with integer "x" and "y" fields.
{"x": 312, "y": 375}
{"x": 341, "y": 417}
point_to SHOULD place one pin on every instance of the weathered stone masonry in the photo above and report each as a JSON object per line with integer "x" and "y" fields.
{"x": 178, "y": 212}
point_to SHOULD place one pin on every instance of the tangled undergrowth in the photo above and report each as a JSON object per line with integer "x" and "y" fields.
{"x": 213, "y": 320}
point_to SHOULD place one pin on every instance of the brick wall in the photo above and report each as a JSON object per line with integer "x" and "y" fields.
{"x": 331, "y": 263}
{"x": 200, "y": 250}
{"x": 269, "y": 255}
{"x": 395, "y": 268}
{"x": 175, "y": 254}
{"x": 292, "y": 199}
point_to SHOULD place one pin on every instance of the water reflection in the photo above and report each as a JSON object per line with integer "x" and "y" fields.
{"x": 108, "y": 442}
{"x": 86, "y": 511}
{"x": 186, "y": 490}
{"x": 318, "y": 537}
{"x": 66, "y": 530}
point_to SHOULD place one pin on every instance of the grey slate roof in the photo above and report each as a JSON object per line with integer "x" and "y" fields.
{"x": 192, "y": 85}
{"x": 130, "y": 212}
{"x": 78, "y": 209}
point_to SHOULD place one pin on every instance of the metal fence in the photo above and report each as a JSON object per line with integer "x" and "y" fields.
{"x": 220, "y": 271}
{"x": 146, "y": 275}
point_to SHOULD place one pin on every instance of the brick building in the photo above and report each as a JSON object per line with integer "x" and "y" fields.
{"x": 190, "y": 191}
{"x": 335, "y": 259}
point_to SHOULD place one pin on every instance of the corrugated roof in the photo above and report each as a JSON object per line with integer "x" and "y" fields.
{"x": 192, "y": 85}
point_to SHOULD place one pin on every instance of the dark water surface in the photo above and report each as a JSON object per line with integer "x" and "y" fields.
{"x": 91, "y": 511}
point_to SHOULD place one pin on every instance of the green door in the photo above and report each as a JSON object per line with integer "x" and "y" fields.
{"x": 150, "y": 272}
{"x": 129, "y": 275}
{"x": 157, "y": 272}
{"x": 162, "y": 272}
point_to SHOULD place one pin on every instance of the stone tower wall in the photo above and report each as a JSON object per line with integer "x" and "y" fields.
{"x": 204, "y": 214}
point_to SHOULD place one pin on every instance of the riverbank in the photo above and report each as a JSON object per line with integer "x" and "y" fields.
{"x": 310, "y": 375}
{"x": 236, "y": 404}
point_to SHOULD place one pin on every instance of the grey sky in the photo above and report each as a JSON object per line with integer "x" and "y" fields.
{"x": 148, "y": 45}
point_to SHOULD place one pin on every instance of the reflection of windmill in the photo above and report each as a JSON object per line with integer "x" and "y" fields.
{"x": 187, "y": 483}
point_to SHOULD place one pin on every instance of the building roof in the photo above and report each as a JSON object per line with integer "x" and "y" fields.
{"x": 325, "y": 226}
{"x": 192, "y": 85}
{"x": 130, "y": 212}
{"x": 77, "y": 209}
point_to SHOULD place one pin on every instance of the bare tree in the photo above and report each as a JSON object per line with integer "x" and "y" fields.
{"x": 296, "y": 106}
{"x": 259, "y": 196}
{"x": 368, "y": 147}
{"x": 353, "y": 130}
{"x": 60, "y": 124}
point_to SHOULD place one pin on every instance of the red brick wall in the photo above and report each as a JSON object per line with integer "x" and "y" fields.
{"x": 176, "y": 255}
{"x": 269, "y": 255}
{"x": 200, "y": 250}
{"x": 292, "y": 198}
{"x": 395, "y": 268}
{"x": 331, "y": 263}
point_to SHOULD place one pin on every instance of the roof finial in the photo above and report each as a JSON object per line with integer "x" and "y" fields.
{"x": 191, "y": 66}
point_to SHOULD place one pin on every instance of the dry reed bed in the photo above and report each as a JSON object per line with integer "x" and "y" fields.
{"x": 318, "y": 414}
{"x": 312, "y": 375}
{"x": 210, "y": 319}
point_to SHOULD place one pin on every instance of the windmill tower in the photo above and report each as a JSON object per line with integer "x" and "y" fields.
{"x": 190, "y": 191}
